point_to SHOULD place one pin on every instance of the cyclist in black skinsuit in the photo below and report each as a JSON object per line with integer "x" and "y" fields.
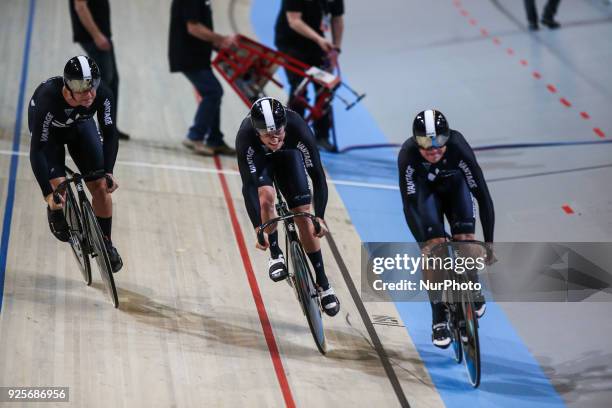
{"x": 439, "y": 176}
{"x": 274, "y": 142}
{"x": 61, "y": 113}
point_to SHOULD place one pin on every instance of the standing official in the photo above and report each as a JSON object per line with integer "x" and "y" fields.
{"x": 190, "y": 48}
{"x": 299, "y": 33}
{"x": 91, "y": 28}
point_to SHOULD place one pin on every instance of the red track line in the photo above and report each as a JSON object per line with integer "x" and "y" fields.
{"x": 261, "y": 308}
{"x": 484, "y": 32}
{"x": 565, "y": 102}
{"x": 567, "y": 209}
{"x": 473, "y": 22}
{"x": 551, "y": 88}
{"x": 585, "y": 115}
{"x": 510, "y": 51}
{"x": 524, "y": 62}
{"x": 464, "y": 13}
{"x": 496, "y": 41}
{"x": 599, "y": 132}
{"x": 536, "y": 75}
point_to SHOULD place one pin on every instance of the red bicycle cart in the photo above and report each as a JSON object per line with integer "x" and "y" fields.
{"x": 249, "y": 66}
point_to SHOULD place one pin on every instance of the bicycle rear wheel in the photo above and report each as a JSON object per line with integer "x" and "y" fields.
{"x": 471, "y": 344}
{"x": 309, "y": 298}
{"x": 100, "y": 253}
{"x": 78, "y": 241}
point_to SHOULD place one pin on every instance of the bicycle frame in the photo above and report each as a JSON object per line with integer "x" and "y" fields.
{"x": 77, "y": 180}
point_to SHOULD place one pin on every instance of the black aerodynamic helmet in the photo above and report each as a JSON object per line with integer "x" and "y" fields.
{"x": 81, "y": 73}
{"x": 268, "y": 114}
{"x": 430, "y": 129}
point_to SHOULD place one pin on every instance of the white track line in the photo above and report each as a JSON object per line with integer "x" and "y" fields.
{"x": 193, "y": 169}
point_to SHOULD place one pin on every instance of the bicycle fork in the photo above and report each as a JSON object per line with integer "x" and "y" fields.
{"x": 87, "y": 247}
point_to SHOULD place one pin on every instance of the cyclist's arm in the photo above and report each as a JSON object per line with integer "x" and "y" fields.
{"x": 40, "y": 126}
{"x": 409, "y": 192}
{"x": 247, "y": 165}
{"x": 479, "y": 190}
{"x": 314, "y": 168}
{"x": 106, "y": 111}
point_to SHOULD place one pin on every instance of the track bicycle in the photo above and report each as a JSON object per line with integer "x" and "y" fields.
{"x": 300, "y": 276}
{"x": 86, "y": 239}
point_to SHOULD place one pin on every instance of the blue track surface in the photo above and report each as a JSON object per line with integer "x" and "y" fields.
{"x": 511, "y": 375}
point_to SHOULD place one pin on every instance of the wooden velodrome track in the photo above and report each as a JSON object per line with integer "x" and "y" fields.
{"x": 191, "y": 330}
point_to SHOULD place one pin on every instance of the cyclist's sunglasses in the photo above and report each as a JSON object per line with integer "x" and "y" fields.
{"x": 82, "y": 85}
{"x": 430, "y": 143}
{"x": 273, "y": 133}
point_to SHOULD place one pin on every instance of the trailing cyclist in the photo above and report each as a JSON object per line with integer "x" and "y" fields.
{"x": 275, "y": 143}
{"x": 439, "y": 176}
{"x": 61, "y": 112}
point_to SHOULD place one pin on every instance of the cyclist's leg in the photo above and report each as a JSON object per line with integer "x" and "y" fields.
{"x": 429, "y": 209}
{"x": 461, "y": 213}
{"x": 266, "y": 195}
{"x": 56, "y": 156}
{"x": 86, "y": 151}
{"x": 277, "y": 268}
{"x": 312, "y": 247}
{"x": 293, "y": 182}
{"x": 311, "y": 244}
{"x": 267, "y": 204}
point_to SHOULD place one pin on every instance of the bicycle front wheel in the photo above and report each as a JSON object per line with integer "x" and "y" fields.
{"x": 456, "y": 335}
{"x": 99, "y": 252}
{"x": 78, "y": 241}
{"x": 307, "y": 293}
{"x": 471, "y": 344}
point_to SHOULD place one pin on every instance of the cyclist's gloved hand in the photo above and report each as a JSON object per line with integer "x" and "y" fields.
{"x": 324, "y": 230}
{"x": 58, "y": 225}
{"x": 258, "y": 245}
{"x": 52, "y": 204}
{"x": 110, "y": 187}
{"x": 491, "y": 258}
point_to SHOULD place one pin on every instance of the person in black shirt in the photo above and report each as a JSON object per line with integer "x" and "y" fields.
{"x": 189, "y": 50}
{"x": 438, "y": 176}
{"x": 61, "y": 113}
{"x": 274, "y": 143}
{"x": 91, "y": 28}
{"x": 299, "y": 33}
